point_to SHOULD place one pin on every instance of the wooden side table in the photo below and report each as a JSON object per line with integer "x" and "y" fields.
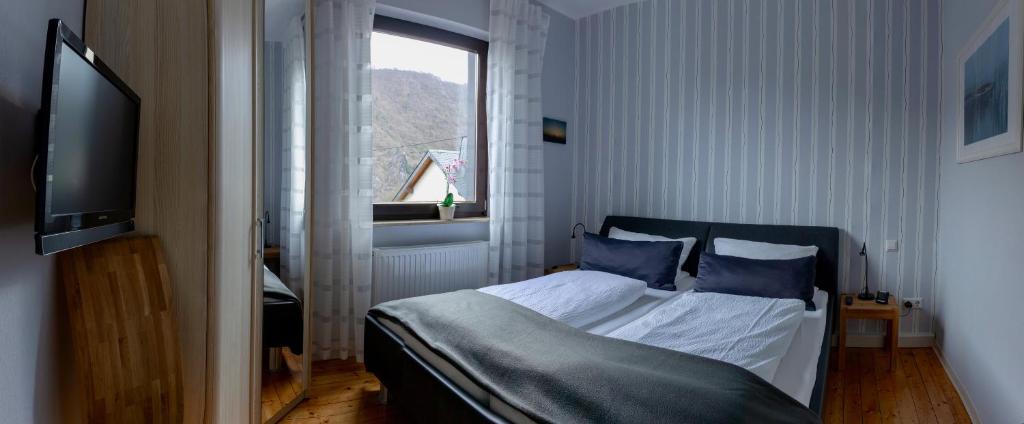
{"x": 272, "y": 252}
{"x": 272, "y": 258}
{"x": 868, "y": 309}
{"x": 559, "y": 268}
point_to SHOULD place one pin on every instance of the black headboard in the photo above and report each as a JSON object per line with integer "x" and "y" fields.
{"x": 826, "y": 238}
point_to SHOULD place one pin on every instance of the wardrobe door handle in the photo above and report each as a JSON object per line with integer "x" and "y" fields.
{"x": 261, "y": 237}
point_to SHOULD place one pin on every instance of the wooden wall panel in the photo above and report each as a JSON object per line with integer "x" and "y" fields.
{"x": 125, "y": 339}
{"x": 160, "y": 49}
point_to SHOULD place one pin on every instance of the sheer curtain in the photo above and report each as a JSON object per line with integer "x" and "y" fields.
{"x": 293, "y": 158}
{"x": 515, "y": 151}
{"x": 342, "y": 158}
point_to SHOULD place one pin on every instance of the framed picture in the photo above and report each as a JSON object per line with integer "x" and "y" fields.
{"x": 554, "y": 131}
{"x": 990, "y": 103}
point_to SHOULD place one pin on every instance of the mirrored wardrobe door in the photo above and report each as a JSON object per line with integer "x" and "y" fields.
{"x": 285, "y": 206}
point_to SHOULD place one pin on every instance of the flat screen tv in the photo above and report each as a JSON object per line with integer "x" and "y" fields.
{"x": 87, "y": 148}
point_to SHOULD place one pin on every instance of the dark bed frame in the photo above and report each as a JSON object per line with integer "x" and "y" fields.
{"x": 425, "y": 394}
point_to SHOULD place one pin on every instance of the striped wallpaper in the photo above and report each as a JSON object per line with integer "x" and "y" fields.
{"x": 779, "y": 111}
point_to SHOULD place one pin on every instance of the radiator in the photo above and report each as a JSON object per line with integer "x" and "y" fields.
{"x": 408, "y": 271}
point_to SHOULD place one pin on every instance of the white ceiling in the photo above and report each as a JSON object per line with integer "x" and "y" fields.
{"x": 579, "y": 8}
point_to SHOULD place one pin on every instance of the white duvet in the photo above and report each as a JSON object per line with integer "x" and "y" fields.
{"x": 751, "y": 332}
{"x": 576, "y": 298}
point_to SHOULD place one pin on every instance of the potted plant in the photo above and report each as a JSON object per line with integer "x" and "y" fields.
{"x": 447, "y": 206}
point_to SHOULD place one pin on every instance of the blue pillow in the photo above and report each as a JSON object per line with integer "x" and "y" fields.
{"x": 777, "y": 278}
{"x": 654, "y": 262}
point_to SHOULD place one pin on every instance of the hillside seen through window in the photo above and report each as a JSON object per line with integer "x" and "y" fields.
{"x": 424, "y": 120}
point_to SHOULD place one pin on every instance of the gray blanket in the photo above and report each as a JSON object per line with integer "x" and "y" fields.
{"x": 555, "y": 373}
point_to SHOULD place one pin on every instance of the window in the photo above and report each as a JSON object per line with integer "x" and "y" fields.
{"x": 429, "y": 126}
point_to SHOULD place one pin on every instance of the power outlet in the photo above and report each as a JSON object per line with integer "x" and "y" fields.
{"x": 915, "y": 302}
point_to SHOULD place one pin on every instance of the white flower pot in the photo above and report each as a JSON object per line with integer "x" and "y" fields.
{"x": 447, "y": 212}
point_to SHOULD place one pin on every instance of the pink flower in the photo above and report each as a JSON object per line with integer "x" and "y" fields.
{"x": 451, "y": 169}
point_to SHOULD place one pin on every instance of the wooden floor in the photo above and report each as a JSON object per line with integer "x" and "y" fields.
{"x": 280, "y": 388}
{"x": 917, "y": 391}
{"x": 868, "y": 391}
{"x": 343, "y": 392}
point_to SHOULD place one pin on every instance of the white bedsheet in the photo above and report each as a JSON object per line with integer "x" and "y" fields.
{"x": 576, "y": 298}
{"x": 751, "y": 332}
{"x": 798, "y": 370}
{"x": 651, "y": 299}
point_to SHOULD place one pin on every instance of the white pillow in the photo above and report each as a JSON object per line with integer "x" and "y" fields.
{"x": 685, "y": 282}
{"x": 688, "y": 243}
{"x": 759, "y": 250}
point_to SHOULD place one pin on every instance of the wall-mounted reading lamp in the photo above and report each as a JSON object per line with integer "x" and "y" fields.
{"x": 574, "y": 227}
{"x": 572, "y": 235}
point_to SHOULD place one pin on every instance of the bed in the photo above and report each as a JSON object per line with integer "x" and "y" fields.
{"x": 282, "y": 315}
{"x": 434, "y": 390}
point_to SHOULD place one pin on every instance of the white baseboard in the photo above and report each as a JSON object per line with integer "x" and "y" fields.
{"x": 878, "y": 340}
{"x": 968, "y": 404}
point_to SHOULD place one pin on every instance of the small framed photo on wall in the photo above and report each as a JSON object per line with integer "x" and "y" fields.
{"x": 554, "y": 131}
{"x": 989, "y": 104}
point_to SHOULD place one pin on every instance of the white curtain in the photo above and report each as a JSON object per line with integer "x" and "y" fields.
{"x": 293, "y": 158}
{"x": 518, "y": 31}
{"x": 342, "y": 158}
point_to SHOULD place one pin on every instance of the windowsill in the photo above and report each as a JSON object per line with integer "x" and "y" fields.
{"x": 402, "y": 223}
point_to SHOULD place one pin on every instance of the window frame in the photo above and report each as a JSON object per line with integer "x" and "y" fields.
{"x": 399, "y": 211}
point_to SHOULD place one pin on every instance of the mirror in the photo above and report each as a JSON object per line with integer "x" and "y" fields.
{"x": 285, "y": 202}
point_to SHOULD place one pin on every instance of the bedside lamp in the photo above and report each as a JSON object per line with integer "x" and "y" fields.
{"x": 866, "y": 295}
